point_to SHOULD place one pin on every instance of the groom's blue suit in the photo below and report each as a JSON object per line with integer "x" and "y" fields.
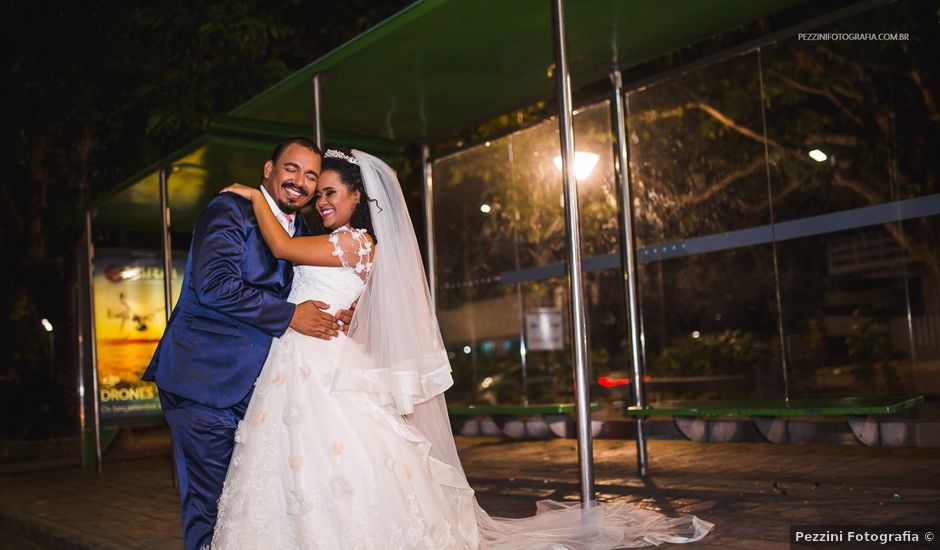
{"x": 231, "y": 306}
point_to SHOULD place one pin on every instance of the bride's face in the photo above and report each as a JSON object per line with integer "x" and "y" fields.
{"x": 334, "y": 201}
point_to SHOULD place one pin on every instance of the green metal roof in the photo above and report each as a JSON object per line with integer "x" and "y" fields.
{"x": 435, "y": 68}
{"x": 441, "y": 66}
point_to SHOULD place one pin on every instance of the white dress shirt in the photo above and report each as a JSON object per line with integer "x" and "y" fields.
{"x": 286, "y": 220}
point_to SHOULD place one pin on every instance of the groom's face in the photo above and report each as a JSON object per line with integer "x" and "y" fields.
{"x": 292, "y": 179}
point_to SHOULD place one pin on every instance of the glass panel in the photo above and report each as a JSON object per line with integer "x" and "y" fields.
{"x": 474, "y": 243}
{"x": 499, "y": 209}
{"x": 597, "y": 191}
{"x": 538, "y": 203}
{"x": 849, "y": 134}
{"x": 698, "y": 171}
{"x": 130, "y": 308}
{"x": 710, "y": 325}
{"x": 696, "y": 157}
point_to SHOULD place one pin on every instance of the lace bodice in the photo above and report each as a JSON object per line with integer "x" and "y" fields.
{"x": 337, "y": 286}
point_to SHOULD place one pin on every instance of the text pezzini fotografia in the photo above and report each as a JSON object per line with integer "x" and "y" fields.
{"x": 877, "y": 534}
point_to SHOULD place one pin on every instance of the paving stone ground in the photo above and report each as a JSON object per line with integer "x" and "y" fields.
{"x": 752, "y": 492}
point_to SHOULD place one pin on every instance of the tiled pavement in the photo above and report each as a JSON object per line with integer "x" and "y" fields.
{"x": 752, "y": 492}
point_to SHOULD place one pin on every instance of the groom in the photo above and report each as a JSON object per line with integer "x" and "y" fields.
{"x": 232, "y": 304}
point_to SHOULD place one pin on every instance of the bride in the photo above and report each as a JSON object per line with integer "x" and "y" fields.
{"x": 346, "y": 443}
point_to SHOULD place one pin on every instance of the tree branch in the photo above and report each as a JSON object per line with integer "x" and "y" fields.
{"x": 919, "y": 250}
{"x": 869, "y": 194}
{"x": 929, "y": 100}
{"x": 730, "y": 123}
{"x": 818, "y": 92}
{"x": 697, "y": 198}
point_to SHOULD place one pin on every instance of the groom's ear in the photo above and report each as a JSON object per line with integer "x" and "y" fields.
{"x": 268, "y": 168}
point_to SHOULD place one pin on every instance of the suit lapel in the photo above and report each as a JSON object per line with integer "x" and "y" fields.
{"x": 300, "y": 225}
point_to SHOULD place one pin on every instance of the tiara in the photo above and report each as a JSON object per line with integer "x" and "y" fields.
{"x": 337, "y": 154}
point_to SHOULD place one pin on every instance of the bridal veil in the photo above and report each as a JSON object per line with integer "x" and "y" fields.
{"x": 407, "y": 370}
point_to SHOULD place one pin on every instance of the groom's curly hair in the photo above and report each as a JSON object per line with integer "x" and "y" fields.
{"x": 351, "y": 177}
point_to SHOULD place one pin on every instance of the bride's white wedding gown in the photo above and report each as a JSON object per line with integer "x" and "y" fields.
{"x": 314, "y": 468}
{"x": 317, "y": 466}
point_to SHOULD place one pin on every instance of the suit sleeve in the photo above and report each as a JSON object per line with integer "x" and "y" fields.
{"x": 218, "y": 246}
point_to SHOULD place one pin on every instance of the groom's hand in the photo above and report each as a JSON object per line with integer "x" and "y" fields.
{"x": 344, "y": 316}
{"x": 308, "y": 319}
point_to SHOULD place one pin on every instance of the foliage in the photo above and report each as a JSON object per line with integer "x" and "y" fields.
{"x": 97, "y": 91}
{"x": 870, "y": 347}
{"x": 726, "y": 352}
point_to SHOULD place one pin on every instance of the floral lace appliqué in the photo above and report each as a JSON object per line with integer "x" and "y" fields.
{"x": 354, "y": 250}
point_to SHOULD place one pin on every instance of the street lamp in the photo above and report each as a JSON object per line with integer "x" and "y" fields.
{"x": 48, "y": 326}
{"x": 584, "y": 164}
{"x": 818, "y": 155}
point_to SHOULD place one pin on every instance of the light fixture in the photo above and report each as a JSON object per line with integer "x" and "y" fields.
{"x": 46, "y": 325}
{"x": 696, "y": 334}
{"x": 485, "y": 208}
{"x": 584, "y": 164}
{"x": 818, "y": 155}
{"x": 466, "y": 349}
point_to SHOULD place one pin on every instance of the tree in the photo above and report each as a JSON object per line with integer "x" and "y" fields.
{"x": 97, "y": 91}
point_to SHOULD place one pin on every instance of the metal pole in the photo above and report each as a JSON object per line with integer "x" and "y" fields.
{"x": 429, "y": 219}
{"x": 90, "y": 250}
{"x": 167, "y": 268}
{"x": 167, "y": 247}
{"x": 80, "y": 329}
{"x": 520, "y": 303}
{"x": 578, "y": 324}
{"x": 628, "y": 261}
{"x": 317, "y": 120}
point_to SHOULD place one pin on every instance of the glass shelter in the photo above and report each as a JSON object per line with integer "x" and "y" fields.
{"x": 777, "y": 201}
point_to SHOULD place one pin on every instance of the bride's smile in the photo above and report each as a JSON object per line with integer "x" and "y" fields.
{"x": 334, "y": 201}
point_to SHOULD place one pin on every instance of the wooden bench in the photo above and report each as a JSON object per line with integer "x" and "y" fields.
{"x": 517, "y": 421}
{"x": 770, "y": 416}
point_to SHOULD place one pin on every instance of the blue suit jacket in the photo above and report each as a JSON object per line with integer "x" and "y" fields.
{"x": 231, "y": 306}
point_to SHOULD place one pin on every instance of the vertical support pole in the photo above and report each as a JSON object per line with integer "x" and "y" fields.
{"x": 80, "y": 382}
{"x": 628, "y": 261}
{"x": 573, "y": 245}
{"x": 90, "y": 252}
{"x": 317, "y": 119}
{"x": 429, "y": 219}
{"x": 520, "y": 301}
{"x": 167, "y": 265}
{"x": 167, "y": 245}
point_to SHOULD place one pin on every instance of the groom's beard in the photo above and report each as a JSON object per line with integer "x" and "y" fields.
{"x": 292, "y": 208}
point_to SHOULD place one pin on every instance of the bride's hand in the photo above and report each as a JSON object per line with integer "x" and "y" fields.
{"x": 242, "y": 191}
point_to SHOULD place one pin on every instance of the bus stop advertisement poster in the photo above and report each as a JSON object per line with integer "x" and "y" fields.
{"x": 130, "y": 318}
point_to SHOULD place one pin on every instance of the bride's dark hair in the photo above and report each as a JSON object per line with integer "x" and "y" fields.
{"x": 351, "y": 177}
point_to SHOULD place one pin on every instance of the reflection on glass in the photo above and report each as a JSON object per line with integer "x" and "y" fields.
{"x": 710, "y": 319}
{"x": 498, "y": 208}
{"x": 711, "y": 330}
{"x": 848, "y": 134}
{"x": 696, "y": 167}
{"x": 787, "y": 210}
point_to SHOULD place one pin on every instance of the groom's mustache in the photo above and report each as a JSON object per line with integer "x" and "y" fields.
{"x": 297, "y": 188}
